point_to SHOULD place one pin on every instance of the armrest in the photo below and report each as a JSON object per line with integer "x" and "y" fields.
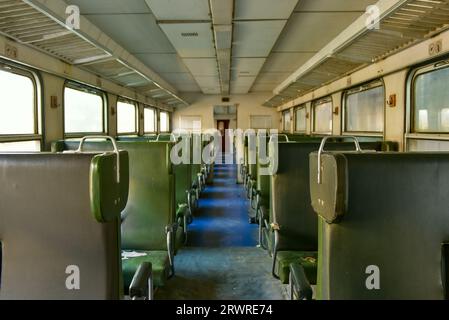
{"x": 299, "y": 284}
{"x": 142, "y": 284}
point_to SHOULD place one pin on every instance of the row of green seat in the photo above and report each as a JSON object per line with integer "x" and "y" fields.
{"x": 151, "y": 212}
{"x": 288, "y": 227}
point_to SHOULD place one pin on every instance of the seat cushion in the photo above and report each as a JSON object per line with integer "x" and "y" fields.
{"x": 159, "y": 261}
{"x": 307, "y": 259}
{"x": 180, "y": 238}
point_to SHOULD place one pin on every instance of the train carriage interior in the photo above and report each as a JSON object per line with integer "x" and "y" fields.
{"x": 224, "y": 150}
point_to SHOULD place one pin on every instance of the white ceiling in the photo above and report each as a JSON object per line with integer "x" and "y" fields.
{"x": 175, "y": 38}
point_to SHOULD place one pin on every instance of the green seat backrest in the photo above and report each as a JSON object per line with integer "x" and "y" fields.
{"x": 196, "y": 149}
{"x": 151, "y": 204}
{"x": 61, "y": 213}
{"x": 383, "y": 217}
{"x": 290, "y": 192}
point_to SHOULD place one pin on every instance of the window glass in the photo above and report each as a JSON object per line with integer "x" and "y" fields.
{"x": 17, "y": 104}
{"x": 126, "y": 118}
{"x": 21, "y": 146}
{"x": 301, "y": 119}
{"x": 364, "y": 110}
{"x": 83, "y": 111}
{"x": 418, "y": 145}
{"x": 149, "y": 120}
{"x": 322, "y": 117}
{"x": 286, "y": 121}
{"x": 164, "y": 121}
{"x": 431, "y": 102}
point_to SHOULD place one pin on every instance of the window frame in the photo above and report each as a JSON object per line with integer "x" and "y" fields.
{"x": 38, "y": 134}
{"x": 358, "y": 89}
{"x": 91, "y": 90}
{"x": 300, "y": 107}
{"x": 426, "y": 67}
{"x": 136, "y": 118}
{"x": 284, "y": 112}
{"x": 159, "y": 121}
{"x": 319, "y": 102}
{"x": 145, "y": 132}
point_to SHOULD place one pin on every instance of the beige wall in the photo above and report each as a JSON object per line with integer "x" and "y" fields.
{"x": 248, "y": 105}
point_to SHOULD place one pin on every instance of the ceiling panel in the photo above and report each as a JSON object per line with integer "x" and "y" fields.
{"x": 191, "y": 40}
{"x": 110, "y": 6}
{"x": 255, "y": 38}
{"x": 202, "y": 67}
{"x": 180, "y": 9}
{"x": 334, "y": 5}
{"x": 208, "y": 81}
{"x": 188, "y": 87}
{"x": 263, "y": 9}
{"x": 178, "y": 78}
{"x": 138, "y": 33}
{"x": 163, "y": 63}
{"x": 286, "y": 61}
{"x": 312, "y": 31}
{"x": 247, "y": 66}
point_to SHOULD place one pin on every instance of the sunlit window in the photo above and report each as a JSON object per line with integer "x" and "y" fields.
{"x": 17, "y": 104}
{"x": 164, "y": 118}
{"x": 286, "y": 121}
{"x": 19, "y": 111}
{"x": 83, "y": 111}
{"x": 301, "y": 119}
{"x": 149, "y": 115}
{"x": 364, "y": 109}
{"x": 431, "y": 101}
{"x": 322, "y": 116}
{"x": 126, "y": 118}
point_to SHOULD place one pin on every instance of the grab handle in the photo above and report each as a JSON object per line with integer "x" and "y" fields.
{"x": 114, "y": 144}
{"x": 321, "y": 150}
{"x": 282, "y": 135}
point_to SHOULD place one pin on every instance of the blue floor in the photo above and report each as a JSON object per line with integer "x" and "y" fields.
{"x": 222, "y": 217}
{"x": 221, "y": 259}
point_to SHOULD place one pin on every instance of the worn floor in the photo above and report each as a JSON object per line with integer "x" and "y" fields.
{"x": 221, "y": 260}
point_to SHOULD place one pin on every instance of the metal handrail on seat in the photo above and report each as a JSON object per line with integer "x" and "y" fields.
{"x": 321, "y": 150}
{"x": 114, "y": 144}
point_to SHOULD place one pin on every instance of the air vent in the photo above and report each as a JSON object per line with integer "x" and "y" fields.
{"x": 189, "y": 34}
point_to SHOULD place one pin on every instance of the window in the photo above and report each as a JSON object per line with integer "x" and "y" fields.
{"x": 364, "y": 109}
{"x": 322, "y": 116}
{"x": 286, "y": 121}
{"x": 84, "y": 110}
{"x": 431, "y": 101}
{"x": 19, "y": 110}
{"x": 126, "y": 118}
{"x": 164, "y": 118}
{"x": 261, "y": 122}
{"x": 149, "y": 122}
{"x": 191, "y": 124}
{"x": 301, "y": 119}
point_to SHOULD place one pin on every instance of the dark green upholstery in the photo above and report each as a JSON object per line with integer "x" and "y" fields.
{"x": 307, "y": 259}
{"x": 160, "y": 266}
{"x": 151, "y": 204}
{"x": 291, "y": 209}
{"x": 54, "y": 213}
{"x": 393, "y": 214}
